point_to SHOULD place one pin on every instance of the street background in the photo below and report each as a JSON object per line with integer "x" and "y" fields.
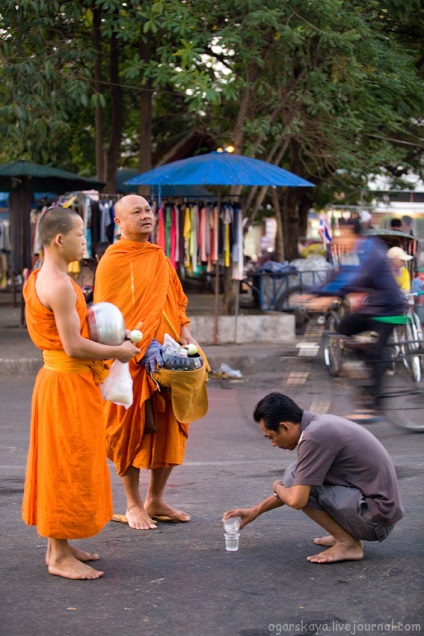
{"x": 178, "y": 579}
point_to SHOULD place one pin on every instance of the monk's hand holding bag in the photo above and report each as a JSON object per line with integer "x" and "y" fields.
{"x": 118, "y": 386}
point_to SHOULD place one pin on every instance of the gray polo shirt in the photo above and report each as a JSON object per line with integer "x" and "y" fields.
{"x": 336, "y": 451}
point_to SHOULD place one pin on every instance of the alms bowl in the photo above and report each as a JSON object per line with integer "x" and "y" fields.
{"x": 106, "y": 324}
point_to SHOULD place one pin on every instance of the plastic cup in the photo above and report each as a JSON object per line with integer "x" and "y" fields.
{"x": 232, "y": 525}
{"x": 232, "y": 541}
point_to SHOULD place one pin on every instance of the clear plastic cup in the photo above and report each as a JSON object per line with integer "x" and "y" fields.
{"x": 231, "y": 526}
{"x": 232, "y": 541}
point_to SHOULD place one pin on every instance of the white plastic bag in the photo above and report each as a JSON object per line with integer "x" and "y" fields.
{"x": 118, "y": 386}
{"x": 172, "y": 347}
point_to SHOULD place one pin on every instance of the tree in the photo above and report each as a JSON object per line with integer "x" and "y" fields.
{"x": 331, "y": 91}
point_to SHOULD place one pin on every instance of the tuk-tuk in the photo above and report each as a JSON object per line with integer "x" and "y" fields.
{"x": 393, "y": 238}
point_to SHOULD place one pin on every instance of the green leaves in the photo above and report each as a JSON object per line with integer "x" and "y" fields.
{"x": 338, "y": 77}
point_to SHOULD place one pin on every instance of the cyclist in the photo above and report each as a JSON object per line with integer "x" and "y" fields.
{"x": 368, "y": 280}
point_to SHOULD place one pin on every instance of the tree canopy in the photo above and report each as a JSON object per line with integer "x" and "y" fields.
{"x": 332, "y": 91}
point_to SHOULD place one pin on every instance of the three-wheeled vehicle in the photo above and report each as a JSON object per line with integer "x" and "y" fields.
{"x": 407, "y": 332}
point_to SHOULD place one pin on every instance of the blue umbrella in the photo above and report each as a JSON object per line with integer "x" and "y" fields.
{"x": 219, "y": 169}
{"x": 124, "y": 174}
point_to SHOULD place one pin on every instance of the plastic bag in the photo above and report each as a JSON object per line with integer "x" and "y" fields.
{"x": 118, "y": 386}
{"x": 172, "y": 347}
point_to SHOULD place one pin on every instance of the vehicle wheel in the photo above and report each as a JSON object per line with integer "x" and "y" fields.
{"x": 332, "y": 346}
{"x": 411, "y": 346}
{"x": 284, "y": 303}
{"x": 403, "y": 407}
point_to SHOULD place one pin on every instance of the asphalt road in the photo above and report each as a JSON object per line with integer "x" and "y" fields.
{"x": 178, "y": 580}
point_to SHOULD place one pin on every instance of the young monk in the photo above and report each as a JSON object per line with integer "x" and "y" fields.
{"x": 67, "y": 487}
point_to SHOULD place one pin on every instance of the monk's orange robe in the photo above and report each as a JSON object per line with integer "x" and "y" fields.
{"x": 67, "y": 491}
{"x": 140, "y": 280}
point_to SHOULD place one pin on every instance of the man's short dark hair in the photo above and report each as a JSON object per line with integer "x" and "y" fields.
{"x": 395, "y": 224}
{"x": 55, "y": 220}
{"x": 275, "y": 408}
{"x": 353, "y": 223}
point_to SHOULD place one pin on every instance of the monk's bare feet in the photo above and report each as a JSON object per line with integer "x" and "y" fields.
{"x": 71, "y": 568}
{"x": 84, "y": 556}
{"x": 326, "y": 541}
{"x": 162, "y": 509}
{"x": 340, "y": 551}
{"x": 138, "y": 519}
{"x": 81, "y": 555}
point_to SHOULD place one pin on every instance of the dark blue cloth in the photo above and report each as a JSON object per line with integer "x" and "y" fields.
{"x": 373, "y": 276}
{"x": 153, "y": 357}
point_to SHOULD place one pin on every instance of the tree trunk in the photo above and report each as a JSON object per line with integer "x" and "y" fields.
{"x": 229, "y": 300}
{"x": 305, "y": 205}
{"x": 279, "y": 239}
{"x": 98, "y": 117}
{"x": 145, "y": 161}
{"x": 116, "y": 116}
{"x": 291, "y": 224}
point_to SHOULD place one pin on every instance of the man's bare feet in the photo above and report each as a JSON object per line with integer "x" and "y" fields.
{"x": 138, "y": 519}
{"x": 326, "y": 541}
{"x": 340, "y": 551}
{"x": 162, "y": 509}
{"x": 71, "y": 568}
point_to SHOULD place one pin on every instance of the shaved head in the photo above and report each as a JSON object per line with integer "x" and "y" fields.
{"x": 125, "y": 203}
{"x": 134, "y": 217}
{"x": 54, "y": 221}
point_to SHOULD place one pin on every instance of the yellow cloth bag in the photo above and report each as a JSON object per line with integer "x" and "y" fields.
{"x": 188, "y": 391}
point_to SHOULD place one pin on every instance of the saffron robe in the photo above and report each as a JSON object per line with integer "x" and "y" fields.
{"x": 67, "y": 491}
{"x": 140, "y": 280}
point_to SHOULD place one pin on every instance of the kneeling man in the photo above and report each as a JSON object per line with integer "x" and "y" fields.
{"x": 343, "y": 479}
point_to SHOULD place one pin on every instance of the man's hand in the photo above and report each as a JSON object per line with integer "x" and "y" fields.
{"x": 246, "y": 515}
{"x": 313, "y": 303}
{"x": 356, "y": 300}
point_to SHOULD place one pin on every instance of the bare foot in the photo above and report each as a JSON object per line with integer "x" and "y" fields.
{"x": 162, "y": 509}
{"x": 80, "y": 555}
{"x": 138, "y": 519}
{"x": 71, "y": 568}
{"x": 340, "y": 551}
{"x": 327, "y": 541}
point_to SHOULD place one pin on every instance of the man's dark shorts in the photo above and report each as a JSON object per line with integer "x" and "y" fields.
{"x": 346, "y": 505}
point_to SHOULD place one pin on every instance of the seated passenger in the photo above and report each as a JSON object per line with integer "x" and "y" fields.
{"x": 397, "y": 258}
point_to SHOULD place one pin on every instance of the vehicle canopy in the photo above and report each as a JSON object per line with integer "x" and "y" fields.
{"x": 399, "y": 239}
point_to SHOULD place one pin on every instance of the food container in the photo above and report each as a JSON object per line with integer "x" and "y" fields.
{"x": 106, "y": 324}
{"x": 181, "y": 363}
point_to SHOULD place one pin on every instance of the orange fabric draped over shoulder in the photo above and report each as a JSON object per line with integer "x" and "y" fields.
{"x": 140, "y": 280}
{"x": 67, "y": 491}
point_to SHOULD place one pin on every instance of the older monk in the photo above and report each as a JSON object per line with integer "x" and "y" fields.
{"x": 138, "y": 277}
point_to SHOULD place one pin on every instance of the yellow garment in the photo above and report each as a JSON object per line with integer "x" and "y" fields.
{"x": 403, "y": 280}
{"x": 227, "y": 258}
{"x": 187, "y": 236}
{"x": 59, "y": 361}
{"x": 67, "y": 491}
{"x": 74, "y": 267}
